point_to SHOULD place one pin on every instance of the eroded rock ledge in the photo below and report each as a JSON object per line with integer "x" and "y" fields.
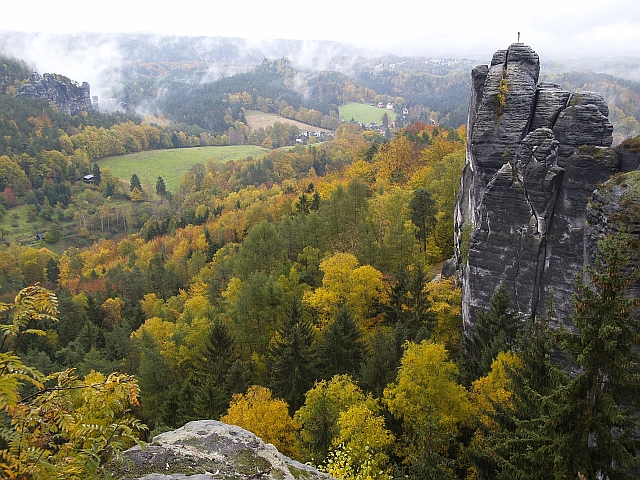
{"x": 535, "y": 154}
{"x": 208, "y": 449}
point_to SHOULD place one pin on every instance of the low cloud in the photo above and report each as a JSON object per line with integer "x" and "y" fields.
{"x": 92, "y": 58}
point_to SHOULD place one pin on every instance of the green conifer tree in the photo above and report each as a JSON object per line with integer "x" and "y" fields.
{"x": 212, "y": 395}
{"x": 495, "y": 331}
{"x": 290, "y": 358}
{"x": 135, "y": 182}
{"x": 408, "y": 309}
{"x": 97, "y": 174}
{"x": 520, "y": 441}
{"x": 423, "y": 211}
{"x": 599, "y": 419}
{"x": 161, "y": 188}
{"x": 341, "y": 350}
{"x": 576, "y": 418}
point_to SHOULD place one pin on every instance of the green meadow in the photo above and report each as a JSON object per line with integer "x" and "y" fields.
{"x": 365, "y": 113}
{"x": 170, "y": 164}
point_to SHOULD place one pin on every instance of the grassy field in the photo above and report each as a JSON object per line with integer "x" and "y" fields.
{"x": 171, "y": 164}
{"x": 365, "y": 113}
{"x": 15, "y": 226}
{"x": 256, "y": 119}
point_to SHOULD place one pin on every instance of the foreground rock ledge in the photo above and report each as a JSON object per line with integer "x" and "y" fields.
{"x": 207, "y": 449}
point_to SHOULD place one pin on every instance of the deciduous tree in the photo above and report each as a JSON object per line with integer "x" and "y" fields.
{"x": 265, "y": 416}
{"x": 346, "y": 283}
{"x": 432, "y": 406}
{"x": 318, "y": 417}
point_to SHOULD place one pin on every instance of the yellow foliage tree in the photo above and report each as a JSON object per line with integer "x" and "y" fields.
{"x": 267, "y": 417}
{"x": 112, "y": 308}
{"x": 136, "y": 195}
{"x": 159, "y": 334}
{"x": 446, "y": 305}
{"x": 151, "y": 305}
{"x": 426, "y": 389}
{"x": 318, "y": 417}
{"x": 345, "y": 283}
{"x": 364, "y": 435}
{"x": 361, "y": 169}
{"x": 395, "y": 161}
{"x": 494, "y": 388}
{"x": 431, "y": 405}
{"x": 440, "y": 148}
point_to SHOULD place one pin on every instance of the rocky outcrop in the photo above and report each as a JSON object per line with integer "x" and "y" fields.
{"x": 535, "y": 154}
{"x": 209, "y": 449}
{"x": 72, "y": 100}
{"x": 613, "y": 207}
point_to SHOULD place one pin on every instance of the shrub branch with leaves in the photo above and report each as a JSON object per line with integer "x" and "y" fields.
{"x": 67, "y": 427}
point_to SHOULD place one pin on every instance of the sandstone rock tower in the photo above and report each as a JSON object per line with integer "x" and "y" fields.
{"x": 535, "y": 154}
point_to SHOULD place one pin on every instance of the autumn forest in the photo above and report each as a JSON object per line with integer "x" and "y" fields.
{"x": 295, "y": 294}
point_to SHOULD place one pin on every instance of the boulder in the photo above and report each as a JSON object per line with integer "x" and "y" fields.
{"x": 449, "y": 268}
{"x": 207, "y": 449}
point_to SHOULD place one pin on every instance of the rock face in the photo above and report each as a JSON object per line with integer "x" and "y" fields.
{"x": 615, "y": 206}
{"x": 535, "y": 154}
{"x": 209, "y": 449}
{"x": 70, "y": 100}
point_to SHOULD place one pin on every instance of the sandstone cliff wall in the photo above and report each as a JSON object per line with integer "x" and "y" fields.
{"x": 535, "y": 154}
{"x": 67, "y": 100}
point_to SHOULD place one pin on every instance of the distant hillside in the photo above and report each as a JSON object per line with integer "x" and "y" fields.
{"x": 140, "y": 49}
{"x": 622, "y": 96}
{"x": 191, "y": 80}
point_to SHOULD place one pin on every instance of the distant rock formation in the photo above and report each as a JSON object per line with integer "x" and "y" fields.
{"x": 208, "y": 449}
{"x": 70, "y": 100}
{"x": 535, "y": 154}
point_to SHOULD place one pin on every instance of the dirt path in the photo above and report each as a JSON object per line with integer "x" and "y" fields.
{"x": 437, "y": 269}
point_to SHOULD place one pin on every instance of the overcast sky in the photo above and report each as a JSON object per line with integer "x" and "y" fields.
{"x": 554, "y": 28}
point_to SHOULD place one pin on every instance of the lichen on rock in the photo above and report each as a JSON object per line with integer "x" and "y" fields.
{"x": 207, "y": 449}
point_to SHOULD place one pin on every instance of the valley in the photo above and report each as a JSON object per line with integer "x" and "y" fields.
{"x": 178, "y": 249}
